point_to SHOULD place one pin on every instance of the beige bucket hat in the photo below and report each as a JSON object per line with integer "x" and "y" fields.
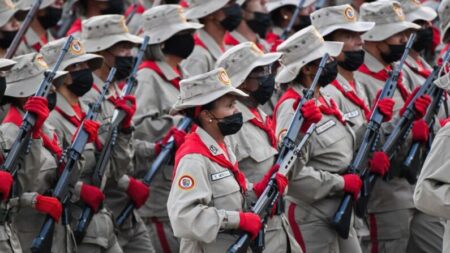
{"x": 388, "y": 17}
{"x": 104, "y": 31}
{"x": 75, "y": 54}
{"x": 275, "y": 4}
{"x": 25, "y": 5}
{"x": 414, "y": 10}
{"x": 163, "y": 21}
{"x": 25, "y": 77}
{"x": 330, "y": 19}
{"x": 202, "y": 8}
{"x": 7, "y": 11}
{"x": 241, "y": 59}
{"x": 302, "y": 48}
{"x": 6, "y": 64}
{"x": 444, "y": 17}
{"x": 203, "y": 89}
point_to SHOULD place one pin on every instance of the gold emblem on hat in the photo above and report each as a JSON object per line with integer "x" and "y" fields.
{"x": 223, "y": 78}
{"x": 256, "y": 49}
{"x": 416, "y": 2}
{"x": 76, "y": 48}
{"x": 349, "y": 14}
{"x": 123, "y": 24}
{"x": 398, "y": 10}
{"x": 39, "y": 60}
{"x": 180, "y": 14}
{"x": 9, "y": 4}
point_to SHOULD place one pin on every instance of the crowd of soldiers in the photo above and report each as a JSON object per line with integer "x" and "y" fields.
{"x": 224, "y": 126}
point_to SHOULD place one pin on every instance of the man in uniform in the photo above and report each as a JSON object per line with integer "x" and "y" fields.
{"x": 8, "y": 25}
{"x": 444, "y": 18}
{"x": 218, "y": 17}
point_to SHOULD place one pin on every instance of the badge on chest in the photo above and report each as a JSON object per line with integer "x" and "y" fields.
{"x": 351, "y": 115}
{"x": 325, "y": 126}
{"x": 220, "y": 175}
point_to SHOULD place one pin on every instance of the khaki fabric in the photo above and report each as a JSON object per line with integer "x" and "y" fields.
{"x": 9, "y": 242}
{"x": 395, "y": 194}
{"x": 203, "y": 215}
{"x": 425, "y": 234}
{"x": 32, "y": 41}
{"x": 241, "y": 39}
{"x": 202, "y": 60}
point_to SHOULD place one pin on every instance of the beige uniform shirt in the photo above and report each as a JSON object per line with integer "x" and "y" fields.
{"x": 432, "y": 195}
{"x": 32, "y": 42}
{"x": 396, "y": 193}
{"x": 316, "y": 184}
{"x": 205, "y": 201}
{"x": 121, "y": 154}
{"x": 202, "y": 59}
{"x": 154, "y": 98}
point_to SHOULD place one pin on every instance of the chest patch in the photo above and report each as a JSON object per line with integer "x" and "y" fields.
{"x": 325, "y": 126}
{"x": 213, "y": 149}
{"x": 220, "y": 175}
{"x": 351, "y": 115}
{"x": 186, "y": 182}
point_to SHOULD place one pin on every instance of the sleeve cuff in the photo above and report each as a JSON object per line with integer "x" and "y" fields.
{"x": 230, "y": 220}
{"x": 123, "y": 182}
{"x": 28, "y": 199}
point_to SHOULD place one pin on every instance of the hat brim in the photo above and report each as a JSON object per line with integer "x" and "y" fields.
{"x": 204, "y": 9}
{"x": 382, "y": 32}
{"x": 25, "y": 5}
{"x": 271, "y": 6}
{"x": 205, "y": 99}
{"x": 94, "y": 61}
{"x": 28, "y": 87}
{"x": 100, "y": 44}
{"x": 422, "y": 13}
{"x": 266, "y": 59}
{"x": 6, "y": 64}
{"x": 162, "y": 33}
{"x": 358, "y": 26}
{"x": 6, "y": 16}
{"x": 287, "y": 73}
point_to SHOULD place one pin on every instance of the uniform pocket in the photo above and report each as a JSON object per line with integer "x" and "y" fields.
{"x": 328, "y": 133}
{"x": 223, "y": 184}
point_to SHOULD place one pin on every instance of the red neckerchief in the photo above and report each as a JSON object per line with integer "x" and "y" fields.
{"x": 274, "y": 40}
{"x": 200, "y": 43}
{"x": 139, "y": 9}
{"x": 420, "y": 69}
{"x": 194, "y": 145}
{"x": 383, "y": 75}
{"x": 51, "y": 145}
{"x": 288, "y": 94}
{"x": 111, "y": 99}
{"x": 266, "y": 127}
{"x": 37, "y": 46}
{"x": 76, "y": 122}
{"x": 352, "y": 96}
{"x": 232, "y": 41}
{"x": 153, "y": 66}
{"x": 442, "y": 53}
{"x": 76, "y": 27}
{"x": 331, "y": 109}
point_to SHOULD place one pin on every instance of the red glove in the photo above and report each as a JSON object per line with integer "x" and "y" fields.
{"x": 386, "y": 107}
{"x": 311, "y": 113}
{"x": 250, "y": 222}
{"x": 49, "y": 205}
{"x": 178, "y": 137}
{"x": 6, "y": 182}
{"x": 421, "y": 104}
{"x": 380, "y": 163}
{"x": 91, "y": 127}
{"x": 39, "y": 107}
{"x": 352, "y": 184}
{"x": 420, "y": 131}
{"x": 128, "y": 105}
{"x": 259, "y": 187}
{"x": 138, "y": 192}
{"x": 91, "y": 196}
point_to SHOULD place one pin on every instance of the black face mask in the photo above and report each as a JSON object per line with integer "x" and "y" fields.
{"x": 2, "y": 87}
{"x": 82, "y": 81}
{"x": 265, "y": 90}
{"x": 260, "y": 23}
{"x": 51, "y": 17}
{"x": 231, "y": 124}
{"x": 305, "y": 21}
{"x": 51, "y": 98}
{"x": 114, "y": 7}
{"x": 395, "y": 53}
{"x": 180, "y": 45}
{"x": 424, "y": 39}
{"x": 353, "y": 60}
{"x": 6, "y": 38}
{"x": 233, "y": 17}
{"x": 124, "y": 64}
{"x": 329, "y": 73}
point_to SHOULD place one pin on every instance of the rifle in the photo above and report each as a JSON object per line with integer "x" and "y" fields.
{"x": 163, "y": 156}
{"x": 133, "y": 11}
{"x": 294, "y": 16}
{"x": 23, "y": 29}
{"x": 43, "y": 241}
{"x": 342, "y": 218}
{"x": 102, "y": 161}
{"x": 23, "y": 139}
{"x": 69, "y": 16}
{"x": 269, "y": 197}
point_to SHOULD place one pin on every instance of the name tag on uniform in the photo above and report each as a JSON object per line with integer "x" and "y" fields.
{"x": 324, "y": 127}
{"x": 220, "y": 175}
{"x": 351, "y": 115}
